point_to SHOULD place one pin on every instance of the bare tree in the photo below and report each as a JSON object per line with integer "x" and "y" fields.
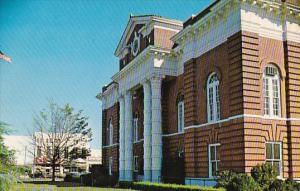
{"x": 58, "y": 131}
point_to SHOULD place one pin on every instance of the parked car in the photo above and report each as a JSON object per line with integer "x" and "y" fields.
{"x": 74, "y": 176}
{"x": 37, "y": 174}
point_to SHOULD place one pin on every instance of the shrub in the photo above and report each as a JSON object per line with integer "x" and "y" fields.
{"x": 149, "y": 186}
{"x": 125, "y": 184}
{"x": 277, "y": 185}
{"x": 263, "y": 178}
{"x": 225, "y": 178}
{"x": 291, "y": 185}
{"x": 243, "y": 182}
{"x": 264, "y": 175}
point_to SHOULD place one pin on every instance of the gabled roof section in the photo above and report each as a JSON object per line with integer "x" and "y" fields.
{"x": 141, "y": 19}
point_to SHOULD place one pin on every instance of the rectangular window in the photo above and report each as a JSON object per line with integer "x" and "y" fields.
{"x": 135, "y": 130}
{"x": 136, "y": 164}
{"x": 180, "y": 116}
{"x": 214, "y": 159}
{"x": 110, "y": 165}
{"x": 274, "y": 155}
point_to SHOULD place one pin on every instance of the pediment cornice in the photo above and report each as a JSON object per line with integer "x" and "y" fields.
{"x": 149, "y": 23}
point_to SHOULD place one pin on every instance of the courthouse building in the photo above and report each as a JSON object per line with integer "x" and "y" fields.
{"x": 218, "y": 91}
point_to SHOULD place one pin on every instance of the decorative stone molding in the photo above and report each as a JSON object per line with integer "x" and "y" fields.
{"x": 150, "y": 22}
{"x": 196, "y": 39}
{"x": 271, "y": 19}
{"x": 109, "y": 97}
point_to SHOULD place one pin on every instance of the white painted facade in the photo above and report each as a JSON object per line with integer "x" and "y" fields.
{"x": 23, "y": 147}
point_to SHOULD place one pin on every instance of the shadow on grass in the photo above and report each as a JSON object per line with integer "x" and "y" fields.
{"x": 56, "y": 183}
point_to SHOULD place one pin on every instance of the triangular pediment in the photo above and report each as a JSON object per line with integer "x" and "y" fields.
{"x": 134, "y": 24}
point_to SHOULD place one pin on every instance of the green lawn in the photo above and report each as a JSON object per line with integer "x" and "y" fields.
{"x": 48, "y": 187}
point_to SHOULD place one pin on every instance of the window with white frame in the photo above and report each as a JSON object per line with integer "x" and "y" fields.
{"x": 213, "y": 98}
{"x": 180, "y": 117}
{"x": 271, "y": 90}
{"x": 111, "y": 132}
{"x": 135, "y": 130}
{"x": 274, "y": 155}
{"x": 136, "y": 164}
{"x": 110, "y": 165}
{"x": 214, "y": 159}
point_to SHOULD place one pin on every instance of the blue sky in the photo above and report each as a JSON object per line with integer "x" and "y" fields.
{"x": 63, "y": 51}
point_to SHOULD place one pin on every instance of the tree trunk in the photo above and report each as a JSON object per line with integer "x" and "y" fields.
{"x": 53, "y": 172}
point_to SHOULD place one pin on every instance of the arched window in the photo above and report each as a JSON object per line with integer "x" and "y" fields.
{"x": 111, "y": 132}
{"x": 213, "y": 99}
{"x": 271, "y": 89}
{"x": 135, "y": 128}
{"x": 180, "y": 114}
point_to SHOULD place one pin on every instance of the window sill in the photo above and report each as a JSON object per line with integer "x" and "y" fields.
{"x": 139, "y": 141}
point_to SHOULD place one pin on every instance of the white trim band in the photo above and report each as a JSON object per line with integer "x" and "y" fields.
{"x": 242, "y": 116}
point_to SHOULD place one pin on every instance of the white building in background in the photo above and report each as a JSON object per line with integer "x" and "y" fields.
{"x": 23, "y": 147}
{"x": 95, "y": 158}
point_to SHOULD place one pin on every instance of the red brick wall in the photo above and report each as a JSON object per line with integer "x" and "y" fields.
{"x": 111, "y": 113}
{"x": 226, "y": 61}
{"x": 292, "y": 66}
{"x": 190, "y": 96}
{"x": 257, "y": 53}
{"x": 138, "y": 110}
{"x": 170, "y": 91}
{"x": 162, "y": 38}
{"x": 228, "y": 134}
{"x": 111, "y": 152}
{"x": 196, "y": 72}
{"x": 257, "y": 133}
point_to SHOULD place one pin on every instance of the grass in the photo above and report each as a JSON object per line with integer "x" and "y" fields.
{"x": 59, "y": 187}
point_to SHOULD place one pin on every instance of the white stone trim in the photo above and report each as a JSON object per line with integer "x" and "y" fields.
{"x": 270, "y": 22}
{"x": 173, "y": 134}
{"x": 242, "y": 116}
{"x": 208, "y": 32}
{"x": 109, "y": 146}
{"x": 149, "y": 22}
{"x": 139, "y": 141}
{"x": 165, "y": 28}
{"x": 109, "y": 97}
{"x": 151, "y": 61}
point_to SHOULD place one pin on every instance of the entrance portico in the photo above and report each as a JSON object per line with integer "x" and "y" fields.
{"x": 152, "y": 132}
{"x": 145, "y": 60}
